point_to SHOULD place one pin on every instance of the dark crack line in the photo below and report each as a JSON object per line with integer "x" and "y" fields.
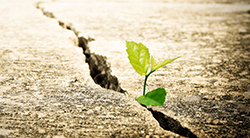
{"x": 170, "y": 124}
{"x": 101, "y": 74}
{"x": 100, "y": 70}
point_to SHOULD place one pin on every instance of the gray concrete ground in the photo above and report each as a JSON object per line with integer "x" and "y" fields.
{"x": 208, "y": 88}
{"x": 46, "y": 89}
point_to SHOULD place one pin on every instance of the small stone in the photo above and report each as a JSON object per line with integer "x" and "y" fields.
{"x": 58, "y": 136}
{"x": 244, "y": 80}
{"x": 6, "y": 132}
{"x": 80, "y": 97}
{"x": 211, "y": 91}
{"x": 36, "y": 70}
{"x": 223, "y": 121}
{"x": 248, "y": 92}
{"x": 194, "y": 98}
{"x": 41, "y": 115}
{"x": 243, "y": 73}
{"x": 209, "y": 120}
{"x": 41, "y": 131}
{"x": 26, "y": 113}
{"x": 212, "y": 80}
{"x": 60, "y": 112}
{"x": 196, "y": 86}
{"x": 216, "y": 121}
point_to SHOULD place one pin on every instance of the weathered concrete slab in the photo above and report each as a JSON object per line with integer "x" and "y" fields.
{"x": 208, "y": 88}
{"x": 46, "y": 89}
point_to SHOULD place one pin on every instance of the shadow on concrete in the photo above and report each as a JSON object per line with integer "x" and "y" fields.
{"x": 170, "y": 124}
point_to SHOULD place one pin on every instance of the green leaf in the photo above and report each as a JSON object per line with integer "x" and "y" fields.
{"x": 153, "y": 63}
{"x": 138, "y": 56}
{"x": 155, "y": 98}
{"x": 163, "y": 63}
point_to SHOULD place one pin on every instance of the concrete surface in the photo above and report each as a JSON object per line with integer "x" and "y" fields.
{"x": 46, "y": 89}
{"x": 208, "y": 88}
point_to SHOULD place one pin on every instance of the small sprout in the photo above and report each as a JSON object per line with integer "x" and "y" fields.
{"x": 139, "y": 58}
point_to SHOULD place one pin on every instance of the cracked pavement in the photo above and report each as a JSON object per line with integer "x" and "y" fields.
{"x": 46, "y": 89}
{"x": 208, "y": 87}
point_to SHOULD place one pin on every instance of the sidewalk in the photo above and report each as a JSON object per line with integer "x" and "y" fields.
{"x": 208, "y": 87}
{"x": 46, "y": 89}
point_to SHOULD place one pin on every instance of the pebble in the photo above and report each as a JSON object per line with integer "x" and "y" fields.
{"x": 216, "y": 121}
{"x": 248, "y": 92}
{"x": 212, "y": 80}
{"x": 36, "y": 70}
{"x": 194, "y": 98}
{"x": 6, "y": 132}
{"x": 209, "y": 120}
{"x": 41, "y": 131}
{"x": 223, "y": 121}
{"x": 41, "y": 115}
{"x": 58, "y": 136}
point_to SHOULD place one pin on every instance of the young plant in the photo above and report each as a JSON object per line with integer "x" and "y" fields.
{"x": 139, "y": 58}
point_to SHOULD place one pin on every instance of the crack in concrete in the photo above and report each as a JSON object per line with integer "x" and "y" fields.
{"x": 170, "y": 124}
{"x": 99, "y": 68}
{"x": 101, "y": 74}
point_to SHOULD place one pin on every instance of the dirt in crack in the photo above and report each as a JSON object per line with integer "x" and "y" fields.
{"x": 170, "y": 124}
{"x": 99, "y": 69}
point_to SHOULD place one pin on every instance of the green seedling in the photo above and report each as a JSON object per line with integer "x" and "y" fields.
{"x": 139, "y": 58}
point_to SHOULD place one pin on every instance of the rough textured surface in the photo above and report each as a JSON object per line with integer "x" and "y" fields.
{"x": 46, "y": 89}
{"x": 208, "y": 88}
{"x": 99, "y": 68}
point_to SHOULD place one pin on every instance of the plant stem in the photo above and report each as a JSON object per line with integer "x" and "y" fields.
{"x": 145, "y": 82}
{"x": 144, "y": 88}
